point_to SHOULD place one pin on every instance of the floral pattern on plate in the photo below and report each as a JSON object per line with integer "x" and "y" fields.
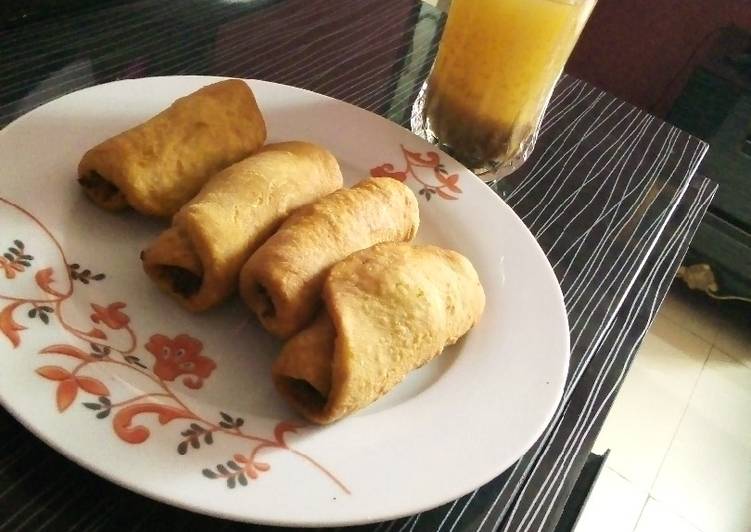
{"x": 425, "y": 168}
{"x": 109, "y": 339}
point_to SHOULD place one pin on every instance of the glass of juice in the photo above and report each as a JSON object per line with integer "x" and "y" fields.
{"x": 496, "y": 68}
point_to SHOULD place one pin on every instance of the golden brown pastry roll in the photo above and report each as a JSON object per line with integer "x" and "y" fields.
{"x": 388, "y": 310}
{"x": 282, "y": 281}
{"x": 160, "y": 165}
{"x": 198, "y": 259}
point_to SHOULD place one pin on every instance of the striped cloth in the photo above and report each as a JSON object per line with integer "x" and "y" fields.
{"x": 608, "y": 193}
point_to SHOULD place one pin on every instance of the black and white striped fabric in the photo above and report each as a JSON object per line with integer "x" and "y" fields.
{"x": 608, "y": 193}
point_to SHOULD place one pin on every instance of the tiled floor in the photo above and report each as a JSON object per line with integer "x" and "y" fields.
{"x": 679, "y": 432}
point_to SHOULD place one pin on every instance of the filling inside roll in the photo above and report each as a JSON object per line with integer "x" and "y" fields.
{"x": 261, "y": 301}
{"x": 307, "y": 365}
{"x": 271, "y": 305}
{"x": 176, "y": 265}
{"x": 304, "y": 392}
{"x": 102, "y": 191}
{"x": 183, "y": 281}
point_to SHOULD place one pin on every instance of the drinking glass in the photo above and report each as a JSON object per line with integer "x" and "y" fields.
{"x": 496, "y": 68}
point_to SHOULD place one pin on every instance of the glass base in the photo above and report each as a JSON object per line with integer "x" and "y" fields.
{"x": 489, "y": 171}
{"x": 505, "y": 186}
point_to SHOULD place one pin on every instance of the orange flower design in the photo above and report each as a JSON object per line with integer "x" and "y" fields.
{"x": 180, "y": 356}
{"x": 10, "y": 268}
{"x": 111, "y": 315}
{"x": 388, "y": 170}
{"x": 439, "y": 181}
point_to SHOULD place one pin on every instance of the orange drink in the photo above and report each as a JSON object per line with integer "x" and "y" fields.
{"x": 497, "y": 65}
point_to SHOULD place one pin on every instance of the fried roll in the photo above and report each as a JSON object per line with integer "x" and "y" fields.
{"x": 198, "y": 259}
{"x": 160, "y": 165}
{"x": 388, "y": 310}
{"x": 282, "y": 281}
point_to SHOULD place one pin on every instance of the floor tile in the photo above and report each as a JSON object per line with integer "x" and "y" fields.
{"x": 652, "y": 401}
{"x": 614, "y": 505}
{"x": 657, "y": 517}
{"x": 734, "y": 337}
{"x": 706, "y": 476}
{"x": 692, "y": 311}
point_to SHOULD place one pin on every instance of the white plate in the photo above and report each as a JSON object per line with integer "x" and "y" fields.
{"x": 450, "y": 427}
